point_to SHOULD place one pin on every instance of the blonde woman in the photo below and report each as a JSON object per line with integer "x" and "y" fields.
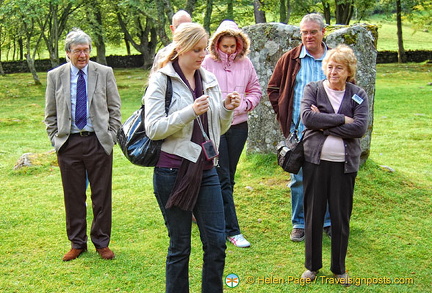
{"x": 185, "y": 179}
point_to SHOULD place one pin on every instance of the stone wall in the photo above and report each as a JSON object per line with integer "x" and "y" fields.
{"x": 269, "y": 42}
{"x": 415, "y": 56}
{"x": 135, "y": 61}
{"x": 130, "y": 61}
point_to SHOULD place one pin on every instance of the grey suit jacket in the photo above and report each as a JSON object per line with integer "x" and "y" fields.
{"x": 103, "y": 98}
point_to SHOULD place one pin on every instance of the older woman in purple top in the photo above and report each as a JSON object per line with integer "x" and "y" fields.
{"x": 335, "y": 113}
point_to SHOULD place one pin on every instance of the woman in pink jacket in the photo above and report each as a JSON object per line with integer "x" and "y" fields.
{"x": 227, "y": 59}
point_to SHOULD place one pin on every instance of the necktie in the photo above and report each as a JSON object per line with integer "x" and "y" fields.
{"x": 81, "y": 102}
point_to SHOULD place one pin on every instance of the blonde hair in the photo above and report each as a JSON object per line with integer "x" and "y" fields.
{"x": 345, "y": 55}
{"x": 185, "y": 38}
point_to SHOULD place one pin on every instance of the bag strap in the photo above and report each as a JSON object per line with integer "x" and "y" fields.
{"x": 168, "y": 94}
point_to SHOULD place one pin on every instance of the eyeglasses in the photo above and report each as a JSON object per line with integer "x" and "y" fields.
{"x": 79, "y": 52}
{"x": 312, "y": 33}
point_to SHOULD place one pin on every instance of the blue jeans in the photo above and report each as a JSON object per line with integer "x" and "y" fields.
{"x": 209, "y": 215}
{"x": 297, "y": 212}
{"x": 230, "y": 149}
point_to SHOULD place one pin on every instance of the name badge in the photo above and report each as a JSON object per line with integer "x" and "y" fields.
{"x": 357, "y": 99}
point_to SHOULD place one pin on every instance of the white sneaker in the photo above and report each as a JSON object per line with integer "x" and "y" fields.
{"x": 238, "y": 240}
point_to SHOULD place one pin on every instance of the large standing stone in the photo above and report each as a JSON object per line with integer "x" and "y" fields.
{"x": 269, "y": 41}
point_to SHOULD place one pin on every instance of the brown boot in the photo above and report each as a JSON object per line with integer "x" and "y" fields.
{"x": 73, "y": 254}
{"x": 105, "y": 253}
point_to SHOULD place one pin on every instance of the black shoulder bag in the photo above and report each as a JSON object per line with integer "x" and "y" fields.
{"x": 137, "y": 147}
{"x": 290, "y": 154}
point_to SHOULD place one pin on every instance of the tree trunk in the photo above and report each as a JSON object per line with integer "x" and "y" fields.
{"x": 190, "y": 6}
{"x": 258, "y": 13}
{"x": 401, "y": 50}
{"x": 127, "y": 45}
{"x": 164, "y": 11}
{"x": 20, "y": 48}
{"x": 100, "y": 51}
{"x": 327, "y": 13}
{"x": 97, "y": 25}
{"x": 283, "y": 16}
{"x": 344, "y": 11}
{"x": 1, "y": 69}
{"x": 230, "y": 10}
{"x": 31, "y": 66}
{"x": 207, "y": 15}
{"x": 289, "y": 9}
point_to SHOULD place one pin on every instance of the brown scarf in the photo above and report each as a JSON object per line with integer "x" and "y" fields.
{"x": 188, "y": 182}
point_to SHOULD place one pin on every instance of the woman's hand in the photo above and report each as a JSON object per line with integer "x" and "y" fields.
{"x": 348, "y": 120}
{"x": 201, "y": 105}
{"x": 315, "y": 109}
{"x": 232, "y": 100}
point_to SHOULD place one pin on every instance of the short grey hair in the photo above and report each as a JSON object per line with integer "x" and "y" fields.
{"x": 314, "y": 17}
{"x": 77, "y": 37}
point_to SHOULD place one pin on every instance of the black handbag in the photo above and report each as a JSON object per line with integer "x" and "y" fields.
{"x": 137, "y": 147}
{"x": 290, "y": 153}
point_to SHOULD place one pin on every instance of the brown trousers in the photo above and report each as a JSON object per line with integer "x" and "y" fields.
{"x": 82, "y": 158}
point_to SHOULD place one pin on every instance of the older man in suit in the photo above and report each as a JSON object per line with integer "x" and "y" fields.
{"x": 82, "y": 116}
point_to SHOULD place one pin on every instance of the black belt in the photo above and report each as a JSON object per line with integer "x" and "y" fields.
{"x": 83, "y": 133}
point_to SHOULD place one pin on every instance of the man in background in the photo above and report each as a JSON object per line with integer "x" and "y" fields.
{"x": 178, "y": 18}
{"x": 292, "y": 72}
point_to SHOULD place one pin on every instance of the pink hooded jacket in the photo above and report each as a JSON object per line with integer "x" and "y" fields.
{"x": 234, "y": 72}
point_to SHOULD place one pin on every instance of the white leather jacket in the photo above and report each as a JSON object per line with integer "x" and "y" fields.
{"x": 176, "y": 128}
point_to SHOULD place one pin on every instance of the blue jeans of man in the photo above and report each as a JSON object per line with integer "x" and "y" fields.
{"x": 297, "y": 212}
{"x": 230, "y": 149}
{"x": 209, "y": 215}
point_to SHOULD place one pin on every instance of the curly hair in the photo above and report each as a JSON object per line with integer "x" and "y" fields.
{"x": 345, "y": 55}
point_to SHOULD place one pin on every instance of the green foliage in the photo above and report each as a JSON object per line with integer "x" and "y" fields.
{"x": 390, "y": 224}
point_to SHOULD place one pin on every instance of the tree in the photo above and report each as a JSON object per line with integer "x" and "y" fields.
{"x": 95, "y": 19}
{"x": 410, "y": 9}
{"x": 22, "y": 15}
{"x": 207, "y": 14}
{"x": 230, "y": 9}
{"x": 285, "y": 11}
{"x": 138, "y": 23}
{"x": 344, "y": 11}
{"x": 52, "y": 21}
{"x": 2, "y": 38}
{"x": 326, "y": 11}
{"x": 421, "y": 16}
{"x": 260, "y": 16}
{"x": 401, "y": 50}
{"x": 190, "y": 6}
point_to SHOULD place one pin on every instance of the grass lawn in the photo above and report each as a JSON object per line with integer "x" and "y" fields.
{"x": 413, "y": 39}
{"x": 390, "y": 229}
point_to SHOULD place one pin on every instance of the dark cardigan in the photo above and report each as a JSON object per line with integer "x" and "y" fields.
{"x": 327, "y": 122}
